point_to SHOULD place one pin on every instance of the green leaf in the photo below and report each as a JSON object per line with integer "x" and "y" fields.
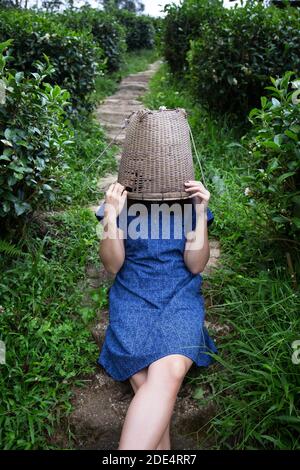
{"x": 6, "y": 142}
{"x": 19, "y": 76}
{"x": 270, "y": 144}
{"x": 295, "y": 99}
{"x": 4, "y": 45}
{"x": 296, "y": 221}
{"x": 285, "y": 176}
{"x": 263, "y": 101}
{"x": 291, "y": 135}
{"x": 288, "y": 419}
{"x": 280, "y": 219}
{"x": 199, "y": 393}
{"x": 275, "y": 103}
{"x": 21, "y": 207}
{"x": 31, "y": 429}
{"x": 278, "y": 139}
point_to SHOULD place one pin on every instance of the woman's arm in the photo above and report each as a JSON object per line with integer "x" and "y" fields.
{"x": 111, "y": 249}
{"x": 197, "y": 250}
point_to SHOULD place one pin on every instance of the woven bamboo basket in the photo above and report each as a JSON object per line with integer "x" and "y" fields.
{"x": 156, "y": 158}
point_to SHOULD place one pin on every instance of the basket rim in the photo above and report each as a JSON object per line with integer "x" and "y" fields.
{"x": 159, "y": 196}
{"x": 159, "y": 110}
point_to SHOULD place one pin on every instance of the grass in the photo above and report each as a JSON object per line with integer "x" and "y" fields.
{"x": 254, "y": 384}
{"x": 86, "y": 163}
{"x": 45, "y": 325}
{"x": 256, "y": 388}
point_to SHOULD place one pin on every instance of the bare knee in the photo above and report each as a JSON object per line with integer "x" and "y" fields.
{"x": 171, "y": 368}
{"x": 177, "y": 369}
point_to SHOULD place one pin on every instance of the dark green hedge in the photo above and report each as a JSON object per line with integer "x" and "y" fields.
{"x": 140, "y": 30}
{"x": 274, "y": 155}
{"x": 229, "y": 55}
{"x": 108, "y": 33}
{"x": 232, "y": 62}
{"x": 34, "y": 136}
{"x": 76, "y": 57}
{"x": 183, "y": 23}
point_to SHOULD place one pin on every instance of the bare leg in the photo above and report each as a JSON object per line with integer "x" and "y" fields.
{"x": 136, "y": 381}
{"x": 152, "y": 406}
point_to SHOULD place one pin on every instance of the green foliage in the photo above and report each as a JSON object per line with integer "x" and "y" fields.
{"x": 158, "y": 23}
{"x": 44, "y": 324}
{"x": 185, "y": 22}
{"x": 9, "y": 249}
{"x": 140, "y": 31}
{"x": 77, "y": 178}
{"x": 34, "y": 136}
{"x": 107, "y": 32}
{"x": 228, "y": 55}
{"x": 256, "y": 387}
{"x": 274, "y": 154}
{"x": 76, "y": 58}
{"x": 230, "y": 64}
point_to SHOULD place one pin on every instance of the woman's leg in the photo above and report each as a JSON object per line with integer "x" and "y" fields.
{"x": 151, "y": 408}
{"x": 136, "y": 381}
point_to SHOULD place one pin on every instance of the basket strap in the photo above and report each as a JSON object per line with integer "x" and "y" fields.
{"x": 202, "y": 173}
{"x": 125, "y": 124}
{"x": 108, "y": 145}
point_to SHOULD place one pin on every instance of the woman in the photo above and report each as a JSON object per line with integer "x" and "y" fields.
{"x": 156, "y": 328}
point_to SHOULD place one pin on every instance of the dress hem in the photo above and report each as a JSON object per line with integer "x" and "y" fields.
{"x": 107, "y": 369}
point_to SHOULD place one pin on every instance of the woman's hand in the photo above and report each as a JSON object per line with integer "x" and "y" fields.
{"x": 112, "y": 249}
{"x": 197, "y": 251}
{"x": 201, "y": 194}
{"x": 115, "y": 198}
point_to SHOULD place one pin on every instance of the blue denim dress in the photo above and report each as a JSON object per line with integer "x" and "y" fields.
{"x": 156, "y": 306}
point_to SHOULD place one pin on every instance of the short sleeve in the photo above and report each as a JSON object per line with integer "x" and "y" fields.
{"x": 210, "y": 217}
{"x": 100, "y": 213}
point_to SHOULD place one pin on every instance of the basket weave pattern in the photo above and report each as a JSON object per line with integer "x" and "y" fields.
{"x": 156, "y": 157}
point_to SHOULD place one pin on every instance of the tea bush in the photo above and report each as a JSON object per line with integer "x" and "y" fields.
{"x": 230, "y": 64}
{"x": 228, "y": 55}
{"x": 183, "y": 23}
{"x": 274, "y": 146}
{"x": 108, "y": 33}
{"x": 140, "y": 30}
{"x": 35, "y": 134}
{"x": 76, "y": 58}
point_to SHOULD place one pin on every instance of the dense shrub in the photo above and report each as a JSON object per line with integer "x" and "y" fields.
{"x": 76, "y": 57}
{"x": 34, "y": 134}
{"x": 140, "y": 31}
{"x": 228, "y": 55}
{"x": 106, "y": 30}
{"x": 183, "y": 23}
{"x": 274, "y": 146}
{"x": 158, "y": 24}
{"x": 45, "y": 325}
{"x": 231, "y": 63}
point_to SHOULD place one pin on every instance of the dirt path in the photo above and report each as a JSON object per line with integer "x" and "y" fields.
{"x": 100, "y": 407}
